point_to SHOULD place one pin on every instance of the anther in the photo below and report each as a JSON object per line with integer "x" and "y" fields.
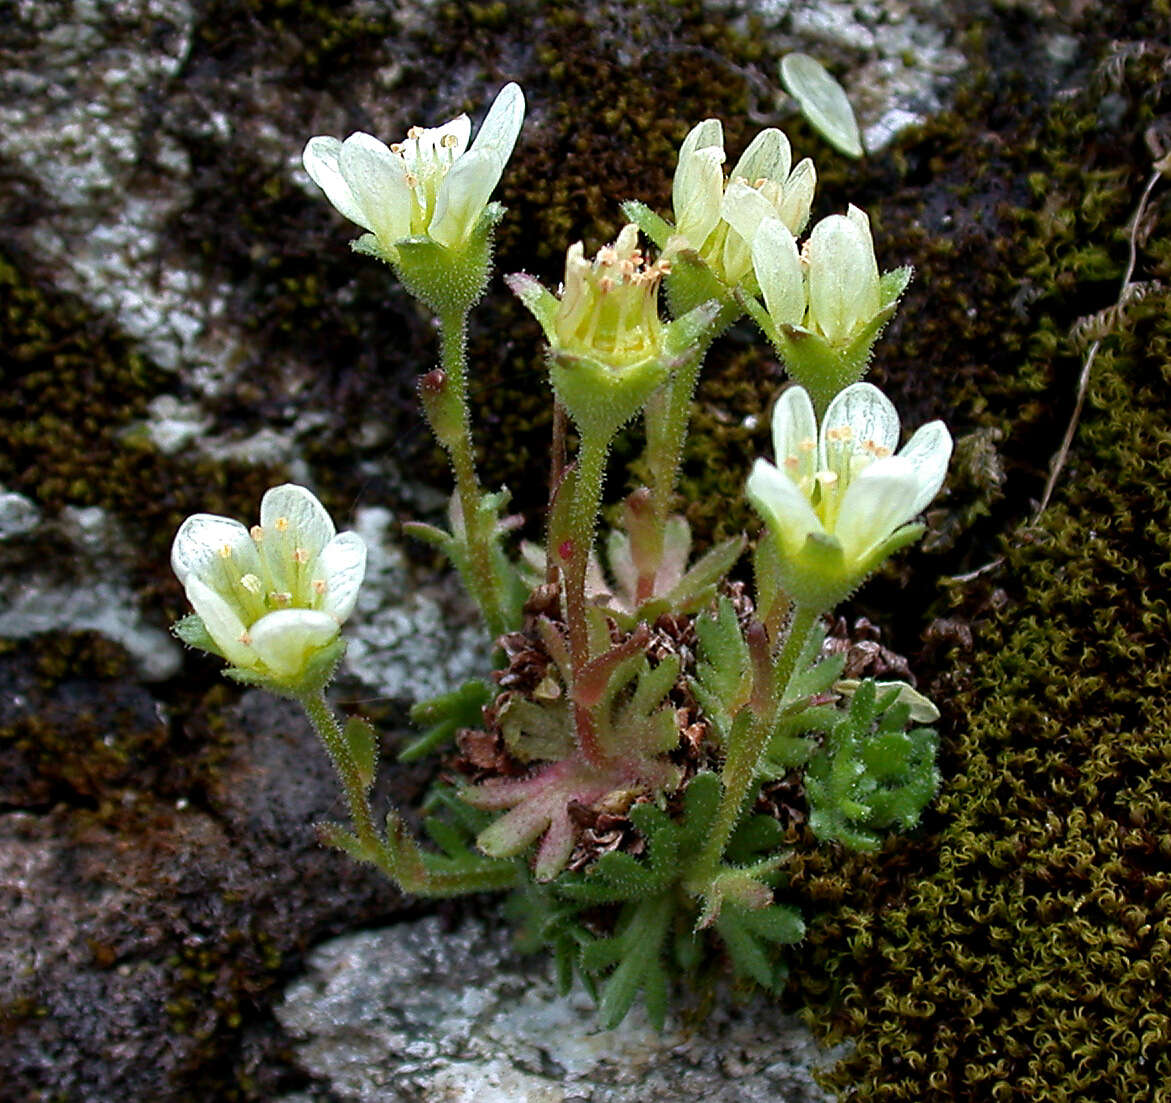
{"x": 301, "y": 556}
{"x": 826, "y": 478}
{"x": 396, "y": 147}
{"x": 319, "y": 586}
{"x": 257, "y": 533}
{"x": 605, "y": 284}
{"x": 251, "y": 583}
{"x": 226, "y": 551}
{"x": 448, "y": 141}
{"x": 411, "y": 179}
{"x": 244, "y": 638}
{"x": 282, "y": 524}
{"x": 415, "y": 133}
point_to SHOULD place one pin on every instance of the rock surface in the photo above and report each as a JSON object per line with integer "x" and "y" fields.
{"x": 423, "y": 1013}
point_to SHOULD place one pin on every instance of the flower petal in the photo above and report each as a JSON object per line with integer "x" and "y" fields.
{"x": 873, "y": 425}
{"x": 795, "y": 434}
{"x": 793, "y": 209}
{"x": 785, "y": 509}
{"x": 378, "y": 180}
{"x": 875, "y": 503}
{"x": 286, "y": 639}
{"x": 697, "y": 193}
{"x": 502, "y": 124}
{"x": 463, "y": 195}
{"x": 699, "y": 181}
{"x": 222, "y": 622}
{"x": 767, "y": 157}
{"x": 199, "y": 546}
{"x": 341, "y": 566}
{"x": 744, "y": 209}
{"x": 306, "y": 520}
{"x": 843, "y": 278}
{"x": 929, "y": 451}
{"x": 778, "y": 271}
{"x": 321, "y": 161}
{"x": 704, "y": 135}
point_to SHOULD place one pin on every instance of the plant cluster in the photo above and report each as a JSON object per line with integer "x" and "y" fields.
{"x": 620, "y": 767}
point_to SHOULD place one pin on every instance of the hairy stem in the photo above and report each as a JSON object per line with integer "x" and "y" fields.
{"x": 591, "y": 471}
{"x": 744, "y": 754}
{"x": 398, "y": 854}
{"x": 330, "y": 733}
{"x": 486, "y": 588}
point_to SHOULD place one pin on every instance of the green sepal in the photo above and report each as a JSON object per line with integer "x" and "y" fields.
{"x": 538, "y": 300}
{"x": 448, "y": 281}
{"x": 694, "y": 331}
{"x": 193, "y": 632}
{"x": 601, "y": 397}
{"x": 691, "y": 283}
{"x": 659, "y": 230}
{"x": 318, "y": 673}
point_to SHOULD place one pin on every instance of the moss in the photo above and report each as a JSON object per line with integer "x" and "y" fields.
{"x": 1014, "y": 953}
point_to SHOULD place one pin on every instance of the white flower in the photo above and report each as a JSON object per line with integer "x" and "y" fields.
{"x": 273, "y": 596}
{"x": 839, "y": 501}
{"x": 832, "y": 289}
{"x": 824, "y": 306}
{"x": 844, "y": 292}
{"x": 430, "y": 185}
{"x": 720, "y": 224}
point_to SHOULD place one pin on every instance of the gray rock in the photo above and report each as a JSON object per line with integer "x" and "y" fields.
{"x": 17, "y": 515}
{"x": 409, "y": 641}
{"x": 418, "y": 1013}
{"x": 45, "y": 595}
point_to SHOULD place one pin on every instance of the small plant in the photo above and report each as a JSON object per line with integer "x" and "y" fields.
{"x": 615, "y": 769}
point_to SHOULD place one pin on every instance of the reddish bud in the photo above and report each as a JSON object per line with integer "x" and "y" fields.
{"x": 433, "y": 382}
{"x": 565, "y": 550}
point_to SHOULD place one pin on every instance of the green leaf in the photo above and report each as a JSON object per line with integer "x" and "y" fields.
{"x": 871, "y": 774}
{"x": 363, "y": 745}
{"x": 696, "y": 588}
{"x": 444, "y": 716}
{"x": 333, "y": 834}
